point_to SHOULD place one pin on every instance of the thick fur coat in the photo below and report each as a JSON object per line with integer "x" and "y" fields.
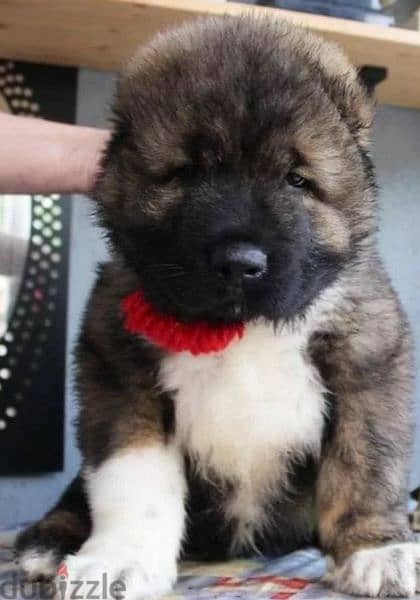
{"x": 230, "y": 135}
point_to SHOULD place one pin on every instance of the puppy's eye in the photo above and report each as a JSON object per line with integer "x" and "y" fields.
{"x": 296, "y": 180}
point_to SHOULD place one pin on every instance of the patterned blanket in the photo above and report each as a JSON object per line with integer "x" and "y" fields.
{"x": 297, "y": 576}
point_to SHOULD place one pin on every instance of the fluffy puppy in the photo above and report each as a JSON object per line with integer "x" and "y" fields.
{"x": 238, "y": 187}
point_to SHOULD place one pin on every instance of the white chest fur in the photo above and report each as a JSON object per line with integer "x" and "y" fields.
{"x": 244, "y": 412}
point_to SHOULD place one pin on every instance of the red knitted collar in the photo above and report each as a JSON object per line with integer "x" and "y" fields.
{"x": 166, "y": 332}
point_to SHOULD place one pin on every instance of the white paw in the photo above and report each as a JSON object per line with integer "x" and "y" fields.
{"x": 387, "y": 571}
{"x": 118, "y": 569}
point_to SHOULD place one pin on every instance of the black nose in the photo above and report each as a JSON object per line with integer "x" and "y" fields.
{"x": 239, "y": 261}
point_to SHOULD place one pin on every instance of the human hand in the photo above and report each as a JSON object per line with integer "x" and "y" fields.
{"x": 38, "y": 156}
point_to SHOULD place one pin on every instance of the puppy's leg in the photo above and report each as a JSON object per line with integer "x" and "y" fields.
{"x": 137, "y": 502}
{"x": 363, "y": 521}
{"x": 133, "y": 470}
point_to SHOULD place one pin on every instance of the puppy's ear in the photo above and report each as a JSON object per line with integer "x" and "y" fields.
{"x": 343, "y": 85}
{"x": 356, "y": 108}
{"x": 370, "y": 77}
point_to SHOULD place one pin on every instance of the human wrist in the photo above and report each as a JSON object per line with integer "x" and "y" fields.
{"x": 81, "y": 153}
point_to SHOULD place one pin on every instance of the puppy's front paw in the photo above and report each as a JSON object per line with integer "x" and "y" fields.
{"x": 118, "y": 570}
{"x": 387, "y": 571}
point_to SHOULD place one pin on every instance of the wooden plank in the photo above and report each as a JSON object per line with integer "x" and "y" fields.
{"x": 102, "y": 34}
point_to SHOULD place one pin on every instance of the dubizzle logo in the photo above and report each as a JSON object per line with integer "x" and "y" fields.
{"x": 62, "y": 588}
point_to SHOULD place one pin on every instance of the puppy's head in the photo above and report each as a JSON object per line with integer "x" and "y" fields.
{"x": 237, "y": 183}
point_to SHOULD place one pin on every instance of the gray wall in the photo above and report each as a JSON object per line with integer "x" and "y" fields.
{"x": 397, "y": 158}
{"x": 397, "y": 154}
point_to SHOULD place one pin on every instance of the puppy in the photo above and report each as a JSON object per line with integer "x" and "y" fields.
{"x": 238, "y": 190}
